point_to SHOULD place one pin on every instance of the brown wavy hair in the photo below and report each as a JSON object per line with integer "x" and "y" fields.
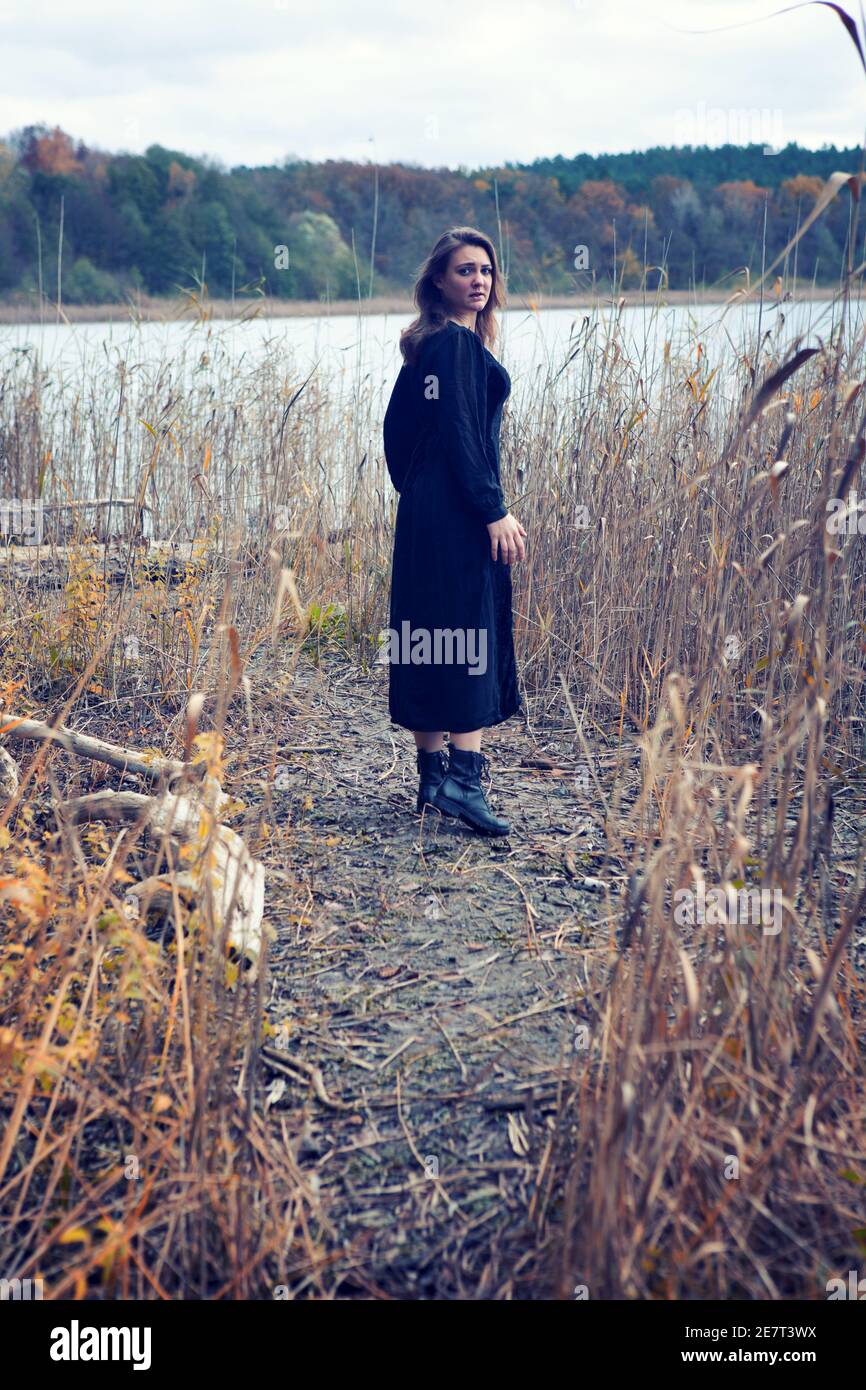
{"x": 428, "y": 298}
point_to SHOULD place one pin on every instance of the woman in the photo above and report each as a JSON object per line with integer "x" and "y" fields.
{"x": 451, "y": 640}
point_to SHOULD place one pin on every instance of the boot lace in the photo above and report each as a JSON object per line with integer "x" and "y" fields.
{"x": 484, "y": 773}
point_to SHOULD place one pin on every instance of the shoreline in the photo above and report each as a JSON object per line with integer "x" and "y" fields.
{"x": 155, "y": 310}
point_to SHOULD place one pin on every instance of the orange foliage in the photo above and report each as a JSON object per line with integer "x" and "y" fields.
{"x": 802, "y": 187}
{"x": 600, "y": 198}
{"x": 55, "y": 154}
{"x": 742, "y": 195}
{"x": 180, "y": 181}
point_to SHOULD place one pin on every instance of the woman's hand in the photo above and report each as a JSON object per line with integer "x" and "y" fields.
{"x": 508, "y": 534}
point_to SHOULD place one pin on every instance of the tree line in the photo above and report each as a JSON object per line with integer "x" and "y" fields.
{"x": 161, "y": 221}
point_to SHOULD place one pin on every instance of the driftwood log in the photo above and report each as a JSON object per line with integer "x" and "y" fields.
{"x": 148, "y": 765}
{"x": 220, "y": 876}
{"x": 47, "y": 565}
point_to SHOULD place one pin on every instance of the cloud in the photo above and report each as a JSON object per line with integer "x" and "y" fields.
{"x": 455, "y": 84}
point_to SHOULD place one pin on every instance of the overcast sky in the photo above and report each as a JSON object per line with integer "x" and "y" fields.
{"x": 461, "y": 82}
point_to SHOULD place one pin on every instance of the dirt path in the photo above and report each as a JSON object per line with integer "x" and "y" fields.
{"x": 424, "y": 992}
{"x": 427, "y": 987}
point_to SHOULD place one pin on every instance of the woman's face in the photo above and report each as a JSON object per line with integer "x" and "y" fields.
{"x": 467, "y": 282}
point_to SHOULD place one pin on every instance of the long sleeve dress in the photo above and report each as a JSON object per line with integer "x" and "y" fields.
{"x": 441, "y": 437}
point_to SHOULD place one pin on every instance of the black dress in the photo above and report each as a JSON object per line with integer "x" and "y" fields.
{"x": 441, "y": 436}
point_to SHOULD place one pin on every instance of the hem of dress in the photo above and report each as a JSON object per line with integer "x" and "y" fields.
{"x": 489, "y": 723}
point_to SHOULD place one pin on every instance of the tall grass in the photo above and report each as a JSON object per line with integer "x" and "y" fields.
{"x": 658, "y": 612}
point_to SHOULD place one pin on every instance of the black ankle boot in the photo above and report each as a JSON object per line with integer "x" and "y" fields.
{"x": 460, "y": 794}
{"x": 431, "y": 770}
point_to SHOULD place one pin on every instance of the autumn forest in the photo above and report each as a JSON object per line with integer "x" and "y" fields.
{"x": 163, "y": 220}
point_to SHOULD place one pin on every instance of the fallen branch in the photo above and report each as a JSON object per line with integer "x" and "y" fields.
{"x": 47, "y": 565}
{"x": 222, "y": 872}
{"x": 94, "y": 502}
{"x": 148, "y": 765}
{"x": 291, "y": 1065}
{"x": 219, "y": 872}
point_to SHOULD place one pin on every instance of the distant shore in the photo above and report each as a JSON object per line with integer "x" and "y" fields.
{"x": 151, "y": 309}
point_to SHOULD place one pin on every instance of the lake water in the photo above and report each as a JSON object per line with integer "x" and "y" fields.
{"x": 230, "y": 380}
{"x": 345, "y": 348}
